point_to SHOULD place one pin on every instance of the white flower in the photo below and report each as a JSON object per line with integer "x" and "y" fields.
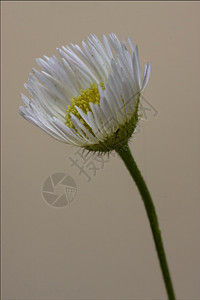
{"x": 90, "y": 97}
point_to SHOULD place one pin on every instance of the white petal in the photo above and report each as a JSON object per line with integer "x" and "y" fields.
{"x": 95, "y": 111}
{"x": 81, "y": 128}
{"x": 135, "y": 71}
{"x": 147, "y": 73}
{"x": 131, "y": 44}
{"x": 138, "y": 64}
{"x": 108, "y": 48}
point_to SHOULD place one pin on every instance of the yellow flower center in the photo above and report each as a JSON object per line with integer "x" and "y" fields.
{"x": 91, "y": 94}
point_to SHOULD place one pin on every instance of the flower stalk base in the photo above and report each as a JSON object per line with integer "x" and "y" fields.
{"x": 130, "y": 163}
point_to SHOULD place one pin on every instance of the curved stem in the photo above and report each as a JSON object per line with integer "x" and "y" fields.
{"x": 130, "y": 163}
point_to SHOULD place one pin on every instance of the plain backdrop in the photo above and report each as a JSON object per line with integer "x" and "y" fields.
{"x": 100, "y": 246}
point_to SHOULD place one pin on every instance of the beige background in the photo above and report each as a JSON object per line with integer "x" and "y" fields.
{"x": 100, "y": 245}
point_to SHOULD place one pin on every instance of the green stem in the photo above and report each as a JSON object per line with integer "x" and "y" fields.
{"x": 130, "y": 163}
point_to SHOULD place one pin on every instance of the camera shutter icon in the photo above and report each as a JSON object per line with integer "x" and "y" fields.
{"x": 59, "y": 189}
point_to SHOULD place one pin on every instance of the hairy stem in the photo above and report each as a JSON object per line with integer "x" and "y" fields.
{"x": 131, "y": 165}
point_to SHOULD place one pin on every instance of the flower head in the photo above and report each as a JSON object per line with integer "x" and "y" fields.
{"x": 88, "y": 98}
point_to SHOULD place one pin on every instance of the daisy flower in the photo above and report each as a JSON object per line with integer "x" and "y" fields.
{"x": 89, "y": 97}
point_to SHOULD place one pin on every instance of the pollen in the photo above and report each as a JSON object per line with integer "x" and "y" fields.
{"x": 86, "y": 96}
